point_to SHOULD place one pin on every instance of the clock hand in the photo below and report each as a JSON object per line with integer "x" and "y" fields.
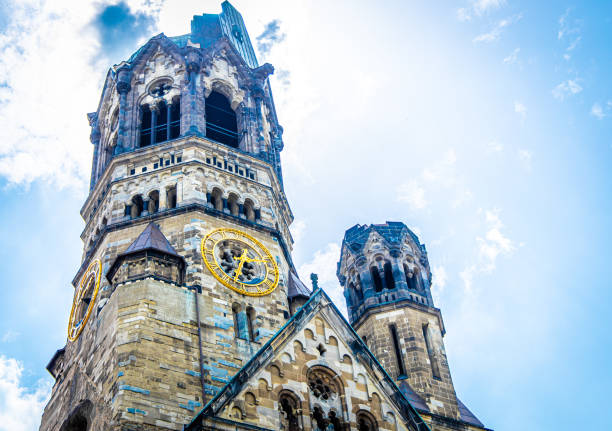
{"x": 243, "y": 257}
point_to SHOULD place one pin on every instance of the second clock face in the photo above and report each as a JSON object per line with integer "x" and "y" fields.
{"x": 240, "y": 262}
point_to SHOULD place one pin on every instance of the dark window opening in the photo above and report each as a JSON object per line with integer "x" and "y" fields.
{"x": 175, "y": 118}
{"x": 171, "y": 197}
{"x": 232, "y": 203}
{"x": 76, "y": 423}
{"x": 221, "y": 125}
{"x": 153, "y": 202}
{"x": 146, "y": 123}
{"x": 249, "y": 211}
{"x": 389, "y": 280}
{"x": 137, "y": 206}
{"x": 250, "y": 315}
{"x": 132, "y": 171}
{"x": 236, "y": 314}
{"x": 155, "y": 165}
{"x": 435, "y": 368}
{"x": 365, "y": 422}
{"x": 290, "y": 412}
{"x": 398, "y": 353}
{"x": 217, "y": 199}
{"x": 378, "y": 285}
{"x": 412, "y": 278}
{"x": 160, "y": 124}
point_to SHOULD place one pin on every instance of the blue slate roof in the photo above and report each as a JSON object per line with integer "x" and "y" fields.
{"x": 418, "y": 403}
{"x": 151, "y": 238}
{"x": 296, "y": 287}
{"x": 467, "y": 415}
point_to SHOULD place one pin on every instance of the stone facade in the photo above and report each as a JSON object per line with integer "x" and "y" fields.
{"x": 186, "y": 141}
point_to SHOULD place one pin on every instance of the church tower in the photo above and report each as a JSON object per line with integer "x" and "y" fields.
{"x": 186, "y": 267}
{"x": 385, "y": 274}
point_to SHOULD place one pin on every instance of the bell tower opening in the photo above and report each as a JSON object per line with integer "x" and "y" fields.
{"x": 221, "y": 124}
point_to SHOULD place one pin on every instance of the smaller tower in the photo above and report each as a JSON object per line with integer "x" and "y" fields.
{"x": 386, "y": 279}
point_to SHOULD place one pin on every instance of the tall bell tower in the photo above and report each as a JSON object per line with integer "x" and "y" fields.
{"x": 385, "y": 274}
{"x": 186, "y": 266}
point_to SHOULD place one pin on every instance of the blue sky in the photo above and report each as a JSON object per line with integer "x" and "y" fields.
{"x": 483, "y": 125}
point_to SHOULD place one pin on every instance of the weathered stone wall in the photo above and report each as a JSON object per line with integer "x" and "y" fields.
{"x": 316, "y": 347}
{"x": 439, "y": 394}
{"x": 87, "y": 373}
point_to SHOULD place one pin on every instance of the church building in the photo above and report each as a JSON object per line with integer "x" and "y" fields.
{"x": 188, "y": 312}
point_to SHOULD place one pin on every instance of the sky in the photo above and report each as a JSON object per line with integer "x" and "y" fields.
{"x": 484, "y": 125}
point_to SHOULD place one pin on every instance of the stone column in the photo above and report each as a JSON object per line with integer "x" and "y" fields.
{"x": 94, "y": 137}
{"x": 145, "y": 206}
{"x": 190, "y": 108}
{"x": 123, "y": 88}
{"x": 163, "y": 203}
{"x": 179, "y": 192}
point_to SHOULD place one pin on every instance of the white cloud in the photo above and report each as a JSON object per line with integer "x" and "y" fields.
{"x": 566, "y": 88}
{"x": 525, "y": 157}
{"x": 490, "y": 246}
{"x": 324, "y": 264}
{"x": 440, "y": 175}
{"x": 597, "y": 111}
{"x": 497, "y": 30}
{"x": 45, "y": 134}
{"x": 412, "y": 193}
{"x": 520, "y": 109}
{"x": 439, "y": 279}
{"x": 513, "y": 57}
{"x": 20, "y": 409}
{"x": 298, "y": 227}
{"x": 569, "y": 29}
{"x": 495, "y": 147}
{"x": 478, "y": 8}
{"x": 10, "y": 336}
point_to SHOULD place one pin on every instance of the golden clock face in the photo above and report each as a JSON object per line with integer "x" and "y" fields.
{"x": 84, "y": 299}
{"x": 240, "y": 262}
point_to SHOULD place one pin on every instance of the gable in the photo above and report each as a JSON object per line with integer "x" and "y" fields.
{"x": 314, "y": 371}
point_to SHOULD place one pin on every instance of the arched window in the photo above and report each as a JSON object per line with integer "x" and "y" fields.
{"x": 160, "y": 123}
{"x": 80, "y": 418}
{"x": 153, "y": 202}
{"x": 232, "y": 203}
{"x": 389, "y": 280}
{"x": 171, "y": 197}
{"x": 290, "y": 411}
{"x": 238, "y": 321}
{"x": 250, "y": 317}
{"x": 365, "y": 421}
{"x": 217, "y": 199}
{"x": 325, "y": 393}
{"x": 412, "y": 278}
{"x": 174, "y": 125}
{"x": 137, "y": 206}
{"x": 378, "y": 285}
{"x": 221, "y": 125}
{"x": 146, "y": 123}
{"x": 249, "y": 210}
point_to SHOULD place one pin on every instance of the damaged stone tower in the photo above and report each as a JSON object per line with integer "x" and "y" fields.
{"x": 385, "y": 274}
{"x": 188, "y": 313}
